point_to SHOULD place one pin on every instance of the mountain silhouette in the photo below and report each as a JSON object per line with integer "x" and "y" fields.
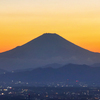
{"x": 46, "y": 49}
{"x": 72, "y": 72}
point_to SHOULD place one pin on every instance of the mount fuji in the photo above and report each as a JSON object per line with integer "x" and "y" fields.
{"x": 46, "y": 49}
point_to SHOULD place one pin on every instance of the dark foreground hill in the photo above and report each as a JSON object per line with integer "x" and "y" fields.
{"x": 73, "y": 72}
{"x": 46, "y": 49}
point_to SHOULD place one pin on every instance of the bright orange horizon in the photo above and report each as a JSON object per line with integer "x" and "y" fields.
{"x": 75, "y": 20}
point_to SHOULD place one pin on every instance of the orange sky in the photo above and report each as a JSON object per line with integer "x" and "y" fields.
{"x": 76, "y": 20}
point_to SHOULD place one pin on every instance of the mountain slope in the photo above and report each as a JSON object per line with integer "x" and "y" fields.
{"x": 45, "y": 46}
{"x": 45, "y": 49}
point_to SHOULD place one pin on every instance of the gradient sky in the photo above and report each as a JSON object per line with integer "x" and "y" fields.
{"x": 76, "y": 20}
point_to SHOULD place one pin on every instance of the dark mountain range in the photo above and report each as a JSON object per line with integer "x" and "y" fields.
{"x": 54, "y": 65}
{"x": 46, "y": 49}
{"x": 73, "y": 72}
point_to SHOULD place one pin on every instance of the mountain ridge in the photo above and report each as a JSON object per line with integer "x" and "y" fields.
{"x": 72, "y": 72}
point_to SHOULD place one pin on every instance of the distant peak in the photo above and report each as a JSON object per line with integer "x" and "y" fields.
{"x": 49, "y": 33}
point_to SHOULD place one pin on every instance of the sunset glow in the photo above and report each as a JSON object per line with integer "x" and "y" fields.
{"x": 75, "y": 20}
